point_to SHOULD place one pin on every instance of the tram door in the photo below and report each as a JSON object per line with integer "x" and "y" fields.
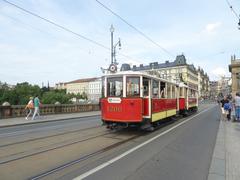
{"x": 146, "y": 97}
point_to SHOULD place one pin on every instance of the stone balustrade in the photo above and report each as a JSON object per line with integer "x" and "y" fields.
{"x": 19, "y": 110}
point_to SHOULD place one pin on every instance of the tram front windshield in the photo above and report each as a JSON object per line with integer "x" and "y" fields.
{"x": 115, "y": 87}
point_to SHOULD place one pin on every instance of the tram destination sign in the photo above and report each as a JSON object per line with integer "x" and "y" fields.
{"x": 114, "y": 100}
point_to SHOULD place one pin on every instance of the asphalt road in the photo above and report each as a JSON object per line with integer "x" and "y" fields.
{"x": 84, "y": 122}
{"x": 183, "y": 153}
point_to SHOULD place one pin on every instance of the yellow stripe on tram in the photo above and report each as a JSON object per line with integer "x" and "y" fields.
{"x": 163, "y": 114}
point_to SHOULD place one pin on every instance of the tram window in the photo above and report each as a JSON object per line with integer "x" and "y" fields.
{"x": 162, "y": 89}
{"x": 173, "y": 91}
{"x": 155, "y": 89}
{"x": 133, "y": 86}
{"x": 192, "y": 93}
{"x": 115, "y": 87}
{"x": 169, "y": 91}
{"x": 145, "y": 87}
{"x": 181, "y": 92}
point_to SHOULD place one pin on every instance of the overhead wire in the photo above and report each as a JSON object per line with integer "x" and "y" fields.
{"x": 136, "y": 29}
{"x": 233, "y": 10}
{"x": 55, "y": 24}
{"x": 26, "y": 24}
{"x": 63, "y": 28}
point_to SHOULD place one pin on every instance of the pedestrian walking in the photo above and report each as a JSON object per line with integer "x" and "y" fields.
{"x": 29, "y": 107}
{"x": 228, "y": 108}
{"x": 223, "y": 102}
{"x": 36, "y": 103}
{"x": 233, "y": 114}
{"x": 237, "y": 106}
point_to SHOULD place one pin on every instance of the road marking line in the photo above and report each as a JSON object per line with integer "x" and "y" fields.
{"x": 92, "y": 171}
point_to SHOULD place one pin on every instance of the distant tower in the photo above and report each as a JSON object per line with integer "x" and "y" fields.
{"x": 48, "y": 86}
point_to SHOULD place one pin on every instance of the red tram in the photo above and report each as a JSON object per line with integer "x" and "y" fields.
{"x": 139, "y": 99}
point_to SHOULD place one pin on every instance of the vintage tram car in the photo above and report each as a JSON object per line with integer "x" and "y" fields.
{"x": 143, "y": 100}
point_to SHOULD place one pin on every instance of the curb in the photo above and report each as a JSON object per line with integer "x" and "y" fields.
{"x": 217, "y": 170}
{"x": 53, "y": 120}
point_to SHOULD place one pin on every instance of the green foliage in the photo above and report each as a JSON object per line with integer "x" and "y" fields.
{"x": 53, "y": 96}
{"x": 20, "y": 94}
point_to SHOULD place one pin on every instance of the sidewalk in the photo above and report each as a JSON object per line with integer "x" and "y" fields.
{"x": 226, "y": 159}
{"x": 56, "y": 117}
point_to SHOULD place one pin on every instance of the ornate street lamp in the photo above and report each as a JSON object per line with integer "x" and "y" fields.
{"x": 111, "y": 30}
{"x": 113, "y": 65}
{"x": 114, "y": 50}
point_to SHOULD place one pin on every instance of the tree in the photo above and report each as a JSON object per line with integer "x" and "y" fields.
{"x": 24, "y": 91}
{"x": 20, "y": 94}
{"x": 52, "y": 97}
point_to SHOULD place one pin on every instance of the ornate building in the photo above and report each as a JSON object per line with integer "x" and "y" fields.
{"x": 203, "y": 83}
{"x": 234, "y": 68}
{"x": 177, "y": 71}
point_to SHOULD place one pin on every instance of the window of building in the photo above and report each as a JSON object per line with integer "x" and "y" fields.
{"x": 115, "y": 86}
{"x": 133, "y": 86}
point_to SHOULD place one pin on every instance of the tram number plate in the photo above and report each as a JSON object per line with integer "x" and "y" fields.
{"x": 114, "y": 109}
{"x": 114, "y": 100}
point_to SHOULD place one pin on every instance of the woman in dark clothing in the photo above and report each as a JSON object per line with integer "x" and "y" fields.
{"x": 224, "y": 100}
{"x": 224, "y": 109}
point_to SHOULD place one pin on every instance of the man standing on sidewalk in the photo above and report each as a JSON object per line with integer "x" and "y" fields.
{"x": 36, "y": 102}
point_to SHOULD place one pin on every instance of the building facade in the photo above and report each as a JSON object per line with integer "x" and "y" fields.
{"x": 213, "y": 93}
{"x": 220, "y": 88}
{"x": 234, "y": 69}
{"x": 95, "y": 90}
{"x": 203, "y": 84}
{"x": 90, "y": 87}
{"x": 60, "y": 85}
{"x": 177, "y": 71}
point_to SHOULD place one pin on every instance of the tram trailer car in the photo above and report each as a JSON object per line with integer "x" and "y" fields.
{"x": 139, "y": 99}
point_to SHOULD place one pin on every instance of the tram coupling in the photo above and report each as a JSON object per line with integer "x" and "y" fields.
{"x": 113, "y": 126}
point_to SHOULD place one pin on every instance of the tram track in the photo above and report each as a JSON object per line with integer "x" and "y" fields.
{"x": 91, "y": 155}
{"x": 38, "y": 129}
{"x": 49, "y": 136}
{"x": 86, "y": 157}
{"x": 49, "y": 149}
{"x": 85, "y": 150}
{"x": 65, "y": 143}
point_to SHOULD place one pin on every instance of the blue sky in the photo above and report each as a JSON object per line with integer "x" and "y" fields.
{"x": 35, "y": 51}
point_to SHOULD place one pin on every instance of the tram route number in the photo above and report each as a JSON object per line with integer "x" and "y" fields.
{"x": 114, "y": 109}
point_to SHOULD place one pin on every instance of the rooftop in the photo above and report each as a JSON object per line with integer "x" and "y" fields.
{"x": 83, "y": 80}
{"x": 179, "y": 61}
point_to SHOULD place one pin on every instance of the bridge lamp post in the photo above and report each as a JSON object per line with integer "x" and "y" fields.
{"x": 112, "y": 54}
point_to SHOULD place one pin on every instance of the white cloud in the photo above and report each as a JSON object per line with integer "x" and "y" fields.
{"x": 212, "y": 27}
{"x": 219, "y": 71}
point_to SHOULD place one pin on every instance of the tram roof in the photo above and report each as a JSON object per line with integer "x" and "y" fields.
{"x": 134, "y": 73}
{"x": 138, "y": 73}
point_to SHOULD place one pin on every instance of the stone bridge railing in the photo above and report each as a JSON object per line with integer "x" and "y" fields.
{"x": 19, "y": 110}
